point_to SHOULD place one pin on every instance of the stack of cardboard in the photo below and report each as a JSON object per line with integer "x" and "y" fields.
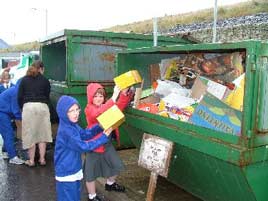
{"x": 201, "y": 89}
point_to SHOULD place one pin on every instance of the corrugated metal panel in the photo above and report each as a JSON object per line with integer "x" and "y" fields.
{"x": 93, "y": 61}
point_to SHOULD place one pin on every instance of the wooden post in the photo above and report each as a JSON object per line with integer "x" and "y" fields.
{"x": 152, "y": 186}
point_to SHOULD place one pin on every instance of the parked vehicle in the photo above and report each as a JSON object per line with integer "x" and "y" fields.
{"x": 18, "y": 71}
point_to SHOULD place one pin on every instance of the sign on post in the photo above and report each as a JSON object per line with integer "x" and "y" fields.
{"x": 155, "y": 155}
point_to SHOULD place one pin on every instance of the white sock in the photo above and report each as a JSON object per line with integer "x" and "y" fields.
{"x": 109, "y": 182}
{"x": 91, "y": 196}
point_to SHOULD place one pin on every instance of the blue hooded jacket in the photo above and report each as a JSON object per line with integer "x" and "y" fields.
{"x": 9, "y": 102}
{"x": 71, "y": 140}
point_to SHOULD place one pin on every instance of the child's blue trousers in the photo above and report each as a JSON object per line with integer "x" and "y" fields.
{"x": 68, "y": 191}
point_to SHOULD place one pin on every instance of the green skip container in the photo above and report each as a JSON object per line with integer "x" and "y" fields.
{"x": 74, "y": 58}
{"x": 211, "y": 164}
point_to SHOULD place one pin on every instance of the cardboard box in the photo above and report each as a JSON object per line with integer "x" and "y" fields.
{"x": 215, "y": 114}
{"x": 154, "y": 72}
{"x": 113, "y": 117}
{"x": 127, "y": 79}
{"x": 216, "y": 89}
{"x": 150, "y": 99}
{"x": 198, "y": 89}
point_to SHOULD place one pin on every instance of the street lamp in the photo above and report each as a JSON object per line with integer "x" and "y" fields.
{"x": 215, "y": 22}
{"x": 46, "y": 17}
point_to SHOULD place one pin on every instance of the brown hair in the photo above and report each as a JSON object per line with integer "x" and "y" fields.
{"x": 34, "y": 69}
{"x": 5, "y": 75}
{"x": 101, "y": 91}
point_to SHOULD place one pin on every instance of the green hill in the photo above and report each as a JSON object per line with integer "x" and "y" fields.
{"x": 169, "y": 21}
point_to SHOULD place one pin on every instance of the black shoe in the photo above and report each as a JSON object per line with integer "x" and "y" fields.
{"x": 115, "y": 187}
{"x": 96, "y": 198}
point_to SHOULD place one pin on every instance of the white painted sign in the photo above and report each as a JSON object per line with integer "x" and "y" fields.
{"x": 155, "y": 154}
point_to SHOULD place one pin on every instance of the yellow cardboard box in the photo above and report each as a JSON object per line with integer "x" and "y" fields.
{"x": 113, "y": 117}
{"x": 127, "y": 79}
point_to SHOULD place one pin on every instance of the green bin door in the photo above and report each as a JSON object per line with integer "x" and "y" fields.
{"x": 262, "y": 118}
{"x": 93, "y": 61}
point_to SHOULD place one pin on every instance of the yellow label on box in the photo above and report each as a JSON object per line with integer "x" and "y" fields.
{"x": 113, "y": 117}
{"x": 127, "y": 79}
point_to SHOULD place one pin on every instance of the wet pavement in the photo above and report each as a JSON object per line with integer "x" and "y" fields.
{"x": 22, "y": 183}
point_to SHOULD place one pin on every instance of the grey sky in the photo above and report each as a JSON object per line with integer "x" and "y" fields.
{"x": 20, "y": 23}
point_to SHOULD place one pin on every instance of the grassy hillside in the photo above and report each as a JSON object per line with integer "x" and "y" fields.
{"x": 164, "y": 23}
{"x": 25, "y": 47}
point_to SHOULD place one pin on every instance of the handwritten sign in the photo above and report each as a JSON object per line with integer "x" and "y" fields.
{"x": 155, "y": 154}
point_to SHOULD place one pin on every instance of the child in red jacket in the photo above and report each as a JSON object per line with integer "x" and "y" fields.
{"x": 103, "y": 161}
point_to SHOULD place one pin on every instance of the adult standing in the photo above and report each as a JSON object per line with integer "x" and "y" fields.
{"x": 33, "y": 98}
{"x": 9, "y": 110}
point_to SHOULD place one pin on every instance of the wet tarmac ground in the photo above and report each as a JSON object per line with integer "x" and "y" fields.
{"x": 22, "y": 183}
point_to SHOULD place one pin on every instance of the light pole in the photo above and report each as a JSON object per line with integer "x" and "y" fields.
{"x": 46, "y": 17}
{"x": 155, "y": 31}
{"x": 215, "y": 22}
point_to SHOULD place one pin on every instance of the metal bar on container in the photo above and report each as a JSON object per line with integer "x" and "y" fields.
{"x": 155, "y": 30}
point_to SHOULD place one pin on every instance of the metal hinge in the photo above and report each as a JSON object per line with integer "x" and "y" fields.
{"x": 264, "y": 63}
{"x": 253, "y": 60}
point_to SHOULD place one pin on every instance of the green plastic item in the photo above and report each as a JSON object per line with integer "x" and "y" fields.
{"x": 212, "y": 165}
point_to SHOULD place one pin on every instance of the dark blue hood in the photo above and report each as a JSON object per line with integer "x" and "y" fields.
{"x": 63, "y": 105}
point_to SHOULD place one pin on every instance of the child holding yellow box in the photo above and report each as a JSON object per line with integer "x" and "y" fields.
{"x": 103, "y": 161}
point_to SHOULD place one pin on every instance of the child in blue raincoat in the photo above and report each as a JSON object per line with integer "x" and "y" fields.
{"x": 70, "y": 143}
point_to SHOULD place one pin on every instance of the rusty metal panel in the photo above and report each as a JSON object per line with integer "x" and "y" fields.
{"x": 93, "y": 61}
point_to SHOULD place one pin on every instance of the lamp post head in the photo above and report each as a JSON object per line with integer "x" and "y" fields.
{"x": 46, "y": 17}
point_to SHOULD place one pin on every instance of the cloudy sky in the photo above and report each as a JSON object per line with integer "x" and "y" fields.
{"x": 25, "y": 21}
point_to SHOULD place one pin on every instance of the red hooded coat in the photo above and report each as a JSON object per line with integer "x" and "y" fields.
{"x": 92, "y": 111}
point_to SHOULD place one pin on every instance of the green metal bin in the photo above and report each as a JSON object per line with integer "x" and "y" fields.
{"x": 210, "y": 164}
{"x": 74, "y": 58}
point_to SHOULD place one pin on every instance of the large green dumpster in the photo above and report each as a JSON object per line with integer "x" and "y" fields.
{"x": 210, "y": 164}
{"x": 73, "y": 58}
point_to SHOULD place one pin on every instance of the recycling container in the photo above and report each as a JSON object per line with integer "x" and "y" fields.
{"x": 211, "y": 164}
{"x": 74, "y": 58}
